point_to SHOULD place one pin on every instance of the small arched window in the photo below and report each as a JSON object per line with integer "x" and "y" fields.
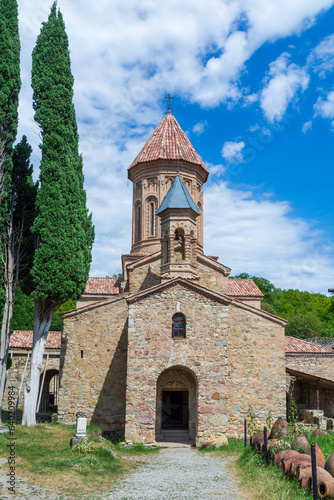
{"x": 179, "y": 326}
{"x": 151, "y": 217}
{"x": 138, "y": 222}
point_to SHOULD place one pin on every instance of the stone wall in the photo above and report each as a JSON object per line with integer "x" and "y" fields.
{"x": 321, "y": 365}
{"x": 93, "y": 365}
{"x": 323, "y": 341}
{"x": 144, "y": 275}
{"x": 256, "y": 361}
{"x": 211, "y": 277}
{"x": 235, "y": 356}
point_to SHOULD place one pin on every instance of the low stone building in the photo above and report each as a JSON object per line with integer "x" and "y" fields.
{"x": 310, "y": 379}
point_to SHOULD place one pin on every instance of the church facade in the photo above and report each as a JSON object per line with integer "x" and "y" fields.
{"x": 176, "y": 347}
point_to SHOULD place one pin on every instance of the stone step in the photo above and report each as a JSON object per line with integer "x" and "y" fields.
{"x": 175, "y": 435}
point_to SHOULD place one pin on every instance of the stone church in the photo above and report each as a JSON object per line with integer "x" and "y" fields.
{"x": 176, "y": 348}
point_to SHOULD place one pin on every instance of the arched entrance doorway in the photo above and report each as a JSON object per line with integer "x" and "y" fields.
{"x": 176, "y": 407}
{"x": 49, "y": 396}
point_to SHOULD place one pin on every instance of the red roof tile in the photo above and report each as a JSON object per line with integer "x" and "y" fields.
{"x": 238, "y": 287}
{"x": 213, "y": 257}
{"x": 168, "y": 142}
{"x": 294, "y": 345}
{"x": 102, "y": 286}
{"x": 22, "y": 339}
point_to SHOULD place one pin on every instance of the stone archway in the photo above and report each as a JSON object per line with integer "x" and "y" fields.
{"x": 176, "y": 404}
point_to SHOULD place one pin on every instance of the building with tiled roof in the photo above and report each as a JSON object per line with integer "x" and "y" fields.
{"x": 168, "y": 142}
{"x": 22, "y": 339}
{"x": 176, "y": 345}
{"x": 294, "y": 346}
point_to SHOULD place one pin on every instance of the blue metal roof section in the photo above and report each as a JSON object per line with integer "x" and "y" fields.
{"x": 178, "y": 197}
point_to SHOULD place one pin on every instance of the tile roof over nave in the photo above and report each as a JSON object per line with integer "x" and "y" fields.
{"x": 111, "y": 286}
{"x": 168, "y": 142}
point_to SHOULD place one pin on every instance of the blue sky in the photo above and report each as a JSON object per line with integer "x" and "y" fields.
{"x": 253, "y": 87}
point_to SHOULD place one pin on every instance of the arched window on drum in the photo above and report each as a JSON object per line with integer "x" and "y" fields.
{"x": 151, "y": 208}
{"x": 138, "y": 221}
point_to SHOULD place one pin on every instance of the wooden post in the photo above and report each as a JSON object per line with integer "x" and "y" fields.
{"x": 22, "y": 380}
{"x": 41, "y": 388}
{"x": 245, "y": 432}
{"x": 265, "y": 446}
{"x": 318, "y": 396}
{"x": 314, "y": 472}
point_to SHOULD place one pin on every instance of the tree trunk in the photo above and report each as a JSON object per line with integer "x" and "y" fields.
{"x": 10, "y": 282}
{"x": 42, "y": 320}
{"x": 11, "y": 265}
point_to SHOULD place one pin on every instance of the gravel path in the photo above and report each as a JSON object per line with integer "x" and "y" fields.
{"x": 172, "y": 474}
{"x": 178, "y": 474}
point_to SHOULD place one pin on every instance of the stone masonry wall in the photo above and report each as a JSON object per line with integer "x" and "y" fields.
{"x": 152, "y": 350}
{"x": 256, "y": 361}
{"x": 144, "y": 276}
{"x": 236, "y": 357}
{"x": 211, "y": 278}
{"x": 321, "y": 365}
{"x": 93, "y": 366}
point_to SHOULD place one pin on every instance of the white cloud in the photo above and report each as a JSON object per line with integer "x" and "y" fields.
{"x": 307, "y": 126}
{"x": 252, "y": 235}
{"x": 199, "y": 127}
{"x": 254, "y": 128}
{"x": 282, "y": 86}
{"x": 231, "y": 151}
{"x": 125, "y": 57}
{"x": 325, "y": 107}
{"x": 321, "y": 58}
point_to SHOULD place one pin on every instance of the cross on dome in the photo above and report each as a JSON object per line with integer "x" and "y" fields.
{"x": 169, "y": 98}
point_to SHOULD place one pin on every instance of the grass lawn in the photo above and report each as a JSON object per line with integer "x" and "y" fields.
{"x": 266, "y": 482}
{"x": 45, "y": 457}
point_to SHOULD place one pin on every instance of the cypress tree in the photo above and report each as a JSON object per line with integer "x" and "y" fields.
{"x": 10, "y": 85}
{"x": 9, "y": 94}
{"x": 63, "y": 227}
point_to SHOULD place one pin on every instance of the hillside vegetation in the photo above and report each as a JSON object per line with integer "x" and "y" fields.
{"x": 308, "y": 314}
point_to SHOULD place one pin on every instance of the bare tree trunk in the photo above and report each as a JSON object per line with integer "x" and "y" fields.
{"x": 4, "y": 347}
{"x": 42, "y": 320}
{"x": 9, "y": 269}
{"x": 11, "y": 274}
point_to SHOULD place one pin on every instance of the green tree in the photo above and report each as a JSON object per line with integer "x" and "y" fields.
{"x": 303, "y": 326}
{"x": 62, "y": 226}
{"x": 17, "y": 241}
{"x": 10, "y": 85}
{"x": 308, "y": 314}
{"x": 270, "y": 292}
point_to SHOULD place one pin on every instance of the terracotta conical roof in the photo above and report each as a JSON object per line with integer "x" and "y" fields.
{"x": 168, "y": 142}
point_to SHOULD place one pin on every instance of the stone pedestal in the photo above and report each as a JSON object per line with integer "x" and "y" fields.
{"x": 80, "y": 431}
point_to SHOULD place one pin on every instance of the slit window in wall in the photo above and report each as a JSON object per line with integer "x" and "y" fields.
{"x": 151, "y": 217}
{"x": 179, "y": 326}
{"x": 138, "y": 222}
{"x": 81, "y": 354}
